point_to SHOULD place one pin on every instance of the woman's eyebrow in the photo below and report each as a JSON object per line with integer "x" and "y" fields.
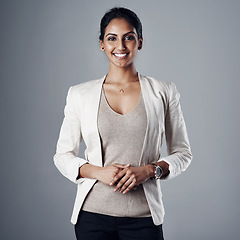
{"x": 129, "y": 33}
{"x": 111, "y": 34}
{"x": 114, "y": 34}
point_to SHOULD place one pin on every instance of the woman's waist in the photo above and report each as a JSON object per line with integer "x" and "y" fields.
{"x": 102, "y": 199}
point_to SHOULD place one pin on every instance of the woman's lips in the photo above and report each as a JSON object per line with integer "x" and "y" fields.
{"x": 120, "y": 55}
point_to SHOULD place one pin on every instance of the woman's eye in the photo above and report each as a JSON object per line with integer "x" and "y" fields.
{"x": 130, "y": 37}
{"x": 111, "y": 39}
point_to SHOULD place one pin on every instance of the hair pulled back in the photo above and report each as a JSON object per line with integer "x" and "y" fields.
{"x": 120, "y": 12}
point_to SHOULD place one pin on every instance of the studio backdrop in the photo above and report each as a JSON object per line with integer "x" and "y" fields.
{"x": 49, "y": 45}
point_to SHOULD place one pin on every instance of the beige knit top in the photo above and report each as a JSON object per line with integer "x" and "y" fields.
{"x": 122, "y": 139}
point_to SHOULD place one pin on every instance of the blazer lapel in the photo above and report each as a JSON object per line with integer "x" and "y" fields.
{"x": 151, "y": 136}
{"x": 91, "y": 136}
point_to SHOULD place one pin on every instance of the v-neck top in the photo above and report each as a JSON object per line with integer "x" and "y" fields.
{"x": 122, "y": 138}
{"x": 106, "y": 102}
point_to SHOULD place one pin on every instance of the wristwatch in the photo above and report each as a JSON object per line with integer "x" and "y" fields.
{"x": 158, "y": 172}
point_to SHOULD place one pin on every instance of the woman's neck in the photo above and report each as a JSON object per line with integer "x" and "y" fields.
{"x": 122, "y": 75}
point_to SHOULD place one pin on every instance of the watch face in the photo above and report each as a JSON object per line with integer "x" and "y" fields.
{"x": 158, "y": 172}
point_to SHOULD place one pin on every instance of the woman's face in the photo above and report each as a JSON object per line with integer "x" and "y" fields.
{"x": 120, "y": 43}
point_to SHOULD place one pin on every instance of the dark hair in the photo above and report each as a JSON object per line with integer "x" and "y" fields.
{"x": 120, "y": 12}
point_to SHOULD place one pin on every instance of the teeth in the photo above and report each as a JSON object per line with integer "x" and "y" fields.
{"x": 120, "y": 55}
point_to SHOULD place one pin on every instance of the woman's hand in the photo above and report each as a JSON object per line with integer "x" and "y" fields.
{"x": 107, "y": 174}
{"x": 130, "y": 177}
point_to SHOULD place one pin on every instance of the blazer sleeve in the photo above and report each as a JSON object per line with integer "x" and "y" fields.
{"x": 66, "y": 159}
{"x": 178, "y": 147}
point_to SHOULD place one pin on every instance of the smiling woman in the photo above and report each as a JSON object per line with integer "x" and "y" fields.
{"x": 122, "y": 118}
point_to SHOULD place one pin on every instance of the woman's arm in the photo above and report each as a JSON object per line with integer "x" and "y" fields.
{"x": 102, "y": 174}
{"x": 178, "y": 146}
{"x": 66, "y": 159}
{"x": 130, "y": 177}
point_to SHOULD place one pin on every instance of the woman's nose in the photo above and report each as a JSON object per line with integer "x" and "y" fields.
{"x": 121, "y": 45}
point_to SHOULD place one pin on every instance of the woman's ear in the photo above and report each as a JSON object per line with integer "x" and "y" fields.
{"x": 140, "y": 44}
{"x": 102, "y": 46}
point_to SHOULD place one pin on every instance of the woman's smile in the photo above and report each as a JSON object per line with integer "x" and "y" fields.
{"x": 120, "y": 56}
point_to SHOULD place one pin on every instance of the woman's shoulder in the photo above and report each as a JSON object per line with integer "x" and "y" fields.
{"x": 88, "y": 85}
{"x": 86, "y": 90}
{"x": 160, "y": 85}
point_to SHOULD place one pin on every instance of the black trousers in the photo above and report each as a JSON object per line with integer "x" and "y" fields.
{"x": 94, "y": 226}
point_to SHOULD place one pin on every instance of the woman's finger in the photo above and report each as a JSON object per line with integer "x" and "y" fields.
{"x": 121, "y": 182}
{"x": 117, "y": 177}
{"x": 127, "y": 184}
{"x": 129, "y": 187}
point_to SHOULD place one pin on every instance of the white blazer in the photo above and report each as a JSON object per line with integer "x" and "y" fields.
{"x": 164, "y": 116}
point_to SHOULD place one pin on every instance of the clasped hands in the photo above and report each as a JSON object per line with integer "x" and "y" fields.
{"x": 124, "y": 177}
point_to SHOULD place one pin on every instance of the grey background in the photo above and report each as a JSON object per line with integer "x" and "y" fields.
{"x": 49, "y": 45}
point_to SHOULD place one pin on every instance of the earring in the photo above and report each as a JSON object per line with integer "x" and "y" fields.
{"x": 139, "y": 48}
{"x": 102, "y": 48}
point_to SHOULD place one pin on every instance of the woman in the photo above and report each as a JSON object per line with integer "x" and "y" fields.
{"x": 122, "y": 118}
